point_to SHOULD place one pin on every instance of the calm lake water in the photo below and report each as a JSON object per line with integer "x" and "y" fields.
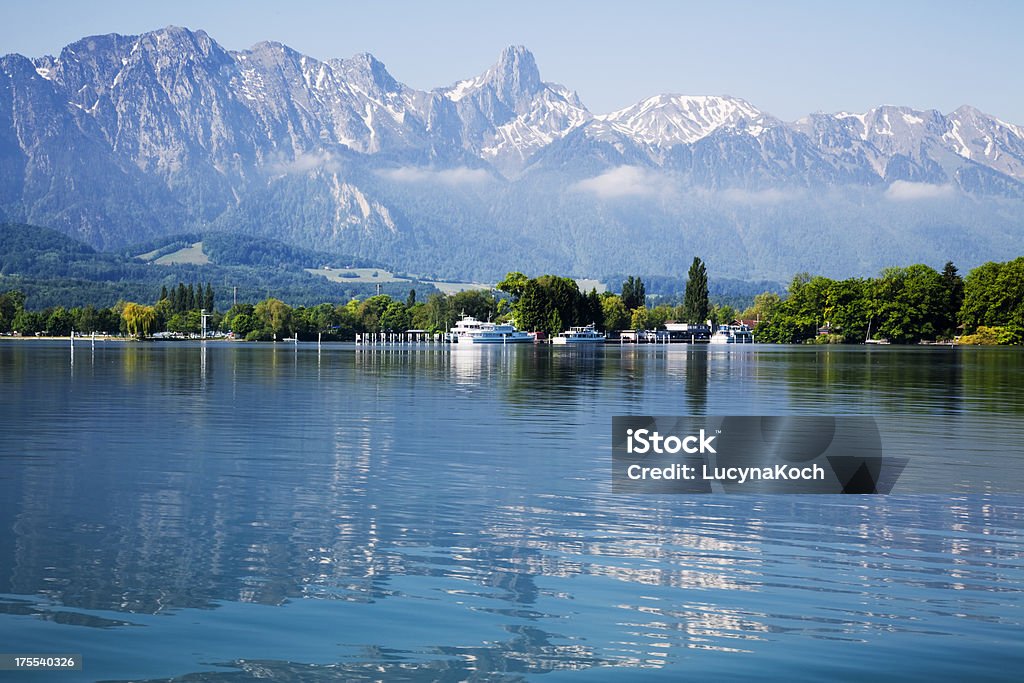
{"x": 236, "y": 511}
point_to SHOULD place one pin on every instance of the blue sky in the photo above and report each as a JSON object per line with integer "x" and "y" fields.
{"x": 787, "y": 58}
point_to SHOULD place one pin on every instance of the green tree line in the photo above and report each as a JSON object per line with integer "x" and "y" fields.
{"x": 274, "y": 319}
{"x": 902, "y": 305}
{"x": 550, "y": 303}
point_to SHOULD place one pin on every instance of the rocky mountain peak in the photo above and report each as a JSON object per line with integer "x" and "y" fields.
{"x": 179, "y": 40}
{"x": 515, "y": 74}
{"x": 367, "y": 71}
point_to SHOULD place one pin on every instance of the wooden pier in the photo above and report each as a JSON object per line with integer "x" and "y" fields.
{"x": 407, "y": 338}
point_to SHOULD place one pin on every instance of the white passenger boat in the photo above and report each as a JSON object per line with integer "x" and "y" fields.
{"x": 733, "y": 334}
{"x": 580, "y": 335}
{"x": 469, "y": 330}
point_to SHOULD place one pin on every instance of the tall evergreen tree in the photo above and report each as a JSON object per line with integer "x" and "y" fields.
{"x": 555, "y": 324}
{"x": 695, "y": 303}
{"x": 163, "y": 293}
{"x": 634, "y": 293}
{"x": 627, "y": 292}
{"x": 208, "y": 300}
{"x": 533, "y": 311}
{"x": 595, "y": 313}
{"x": 190, "y": 297}
{"x": 953, "y": 286}
{"x": 179, "y": 305}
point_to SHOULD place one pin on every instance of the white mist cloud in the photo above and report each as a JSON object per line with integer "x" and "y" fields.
{"x": 449, "y": 176}
{"x": 305, "y": 162}
{"x": 623, "y": 181}
{"x": 769, "y": 196}
{"x": 904, "y": 190}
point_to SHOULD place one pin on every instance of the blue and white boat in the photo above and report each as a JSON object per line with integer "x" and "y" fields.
{"x": 469, "y": 330}
{"x": 733, "y": 334}
{"x": 580, "y": 335}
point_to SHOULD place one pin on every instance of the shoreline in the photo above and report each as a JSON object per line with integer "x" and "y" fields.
{"x": 105, "y": 337}
{"x": 412, "y": 345}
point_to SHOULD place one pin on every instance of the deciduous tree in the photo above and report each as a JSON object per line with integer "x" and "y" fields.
{"x": 616, "y": 315}
{"x": 138, "y": 319}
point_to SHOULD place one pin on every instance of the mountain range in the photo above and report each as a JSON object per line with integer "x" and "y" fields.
{"x": 123, "y": 139}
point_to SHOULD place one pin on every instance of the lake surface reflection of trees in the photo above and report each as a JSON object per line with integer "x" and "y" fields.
{"x": 149, "y": 478}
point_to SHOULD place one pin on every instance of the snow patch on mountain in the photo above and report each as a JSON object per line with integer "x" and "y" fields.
{"x": 463, "y": 88}
{"x": 353, "y": 209}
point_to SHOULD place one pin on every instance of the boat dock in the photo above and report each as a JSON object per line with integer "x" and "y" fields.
{"x": 676, "y": 334}
{"x": 409, "y": 337}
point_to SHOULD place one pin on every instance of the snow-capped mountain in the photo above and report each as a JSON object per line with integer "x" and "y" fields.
{"x": 979, "y": 137}
{"x": 668, "y": 120}
{"x": 122, "y": 138}
{"x": 508, "y": 113}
